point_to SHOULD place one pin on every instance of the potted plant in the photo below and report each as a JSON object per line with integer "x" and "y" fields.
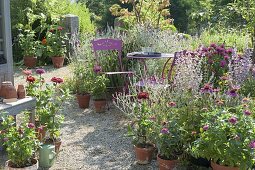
{"x": 83, "y": 80}
{"x": 21, "y": 143}
{"x": 30, "y": 47}
{"x": 227, "y": 137}
{"x": 99, "y": 91}
{"x": 139, "y": 129}
{"x": 56, "y": 45}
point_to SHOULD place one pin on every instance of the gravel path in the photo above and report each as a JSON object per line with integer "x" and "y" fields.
{"x": 90, "y": 140}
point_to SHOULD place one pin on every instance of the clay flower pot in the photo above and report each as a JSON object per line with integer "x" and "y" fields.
{"x": 58, "y": 61}
{"x": 100, "y": 105}
{"x": 216, "y": 166}
{"x": 21, "y": 91}
{"x": 30, "y": 61}
{"x": 8, "y": 91}
{"x": 83, "y": 100}
{"x": 166, "y": 164}
{"x": 144, "y": 155}
{"x": 9, "y": 164}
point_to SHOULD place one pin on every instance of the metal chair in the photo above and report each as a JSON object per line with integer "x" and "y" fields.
{"x": 108, "y": 44}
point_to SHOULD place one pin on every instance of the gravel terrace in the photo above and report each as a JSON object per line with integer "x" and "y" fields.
{"x": 90, "y": 140}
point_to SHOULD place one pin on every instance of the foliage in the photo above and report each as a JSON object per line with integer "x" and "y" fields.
{"x": 231, "y": 131}
{"x": 155, "y": 13}
{"x": 21, "y": 142}
{"x": 56, "y": 40}
{"x": 99, "y": 86}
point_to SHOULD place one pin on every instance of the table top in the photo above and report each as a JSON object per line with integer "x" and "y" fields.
{"x": 153, "y": 55}
{"x": 18, "y": 106}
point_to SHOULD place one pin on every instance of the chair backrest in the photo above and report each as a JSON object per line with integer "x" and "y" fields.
{"x": 108, "y": 44}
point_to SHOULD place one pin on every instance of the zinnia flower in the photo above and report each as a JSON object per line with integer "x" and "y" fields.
{"x": 247, "y": 112}
{"x": 171, "y": 104}
{"x": 223, "y": 63}
{"x": 143, "y": 95}
{"x": 30, "y": 79}
{"x": 232, "y": 120}
{"x": 40, "y": 71}
{"x": 206, "y": 127}
{"x": 164, "y": 131}
{"x": 27, "y": 72}
{"x": 57, "y": 80}
{"x": 252, "y": 144}
{"x": 30, "y": 125}
{"x": 60, "y": 28}
{"x": 97, "y": 69}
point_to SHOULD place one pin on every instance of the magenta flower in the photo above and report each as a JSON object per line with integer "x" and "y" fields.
{"x": 97, "y": 69}
{"x": 247, "y": 112}
{"x": 252, "y": 144}
{"x": 213, "y": 45}
{"x": 30, "y": 125}
{"x": 226, "y": 57}
{"x": 164, "y": 131}
{"x": 207, "y": 88}
{"x": 206, "y": 127}
{"x": 223, "y": 63}
{"x": 40, "y": 71}
{"x": 232, "y": 120}
{"x": 171, "y": 104}
{"x": 229, "y": 51}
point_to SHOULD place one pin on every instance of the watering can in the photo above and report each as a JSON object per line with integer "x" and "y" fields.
{"x": 47, "y": 155}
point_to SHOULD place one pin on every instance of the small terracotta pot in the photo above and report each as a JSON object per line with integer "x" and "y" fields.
{"x": 9, "y": 164}
{"x": 58, "y": 61}
{"x": 100, "y": 105}
{"x": 8, "y": 91}
{"x": 216, "y": 166}
{"x": 21, "y": 91}
{"x": 83, "y": 100}
{"x": 144, "y": 155}
{"x": 30, "y": 61}
{"x": 166, "y": 164}
{"x": 57, "y": 144}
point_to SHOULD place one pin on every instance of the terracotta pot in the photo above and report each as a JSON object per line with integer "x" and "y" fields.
{"x": 58, "y": 61}
{"x": 144, "y": 155}
{"x": 30, "y": 61}
{"x": 216, "y": 166}
{"x": 21, "y": 91}
{"x": 166, "y": 164}
{"x": 8, "y": 166}
{"x": 83, "y": 100}
{"x": 57, "y": 144}
{"x": 100, "y": 105}
{"x": 8, "y": 91}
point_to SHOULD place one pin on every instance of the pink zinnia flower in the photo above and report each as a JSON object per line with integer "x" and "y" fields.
{"x": 247, "y": 112}
{"x": 30, "y": 125}
{"x": 206, "y": 127}
{"x": 27, "y": 72}
{"x": 164, "y": 131}
{"x": 171, "y": 104}
{"x": 252, "y": 144}
{"x": 232, "y": 120}
{"x": 97, "y": 69}
{"x": 40, "y": 71}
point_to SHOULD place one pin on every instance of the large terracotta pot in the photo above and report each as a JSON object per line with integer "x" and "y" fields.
{"x": 30, "y": 61}
{"x": 100, "y": 105}
{"x": 58, "y": 61}
{"x": 8, "y": 91}
{"x": 216, "y": 166}
{"x": 83, "y": 100}
{"x": 144, "y": 155}
{"x": 166, "y": 164}
{"x": 35, "y": 166}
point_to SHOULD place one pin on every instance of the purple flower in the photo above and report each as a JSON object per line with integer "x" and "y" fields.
{"x": 226, "y": 57}
{"x": 247, "y": 112}
{"x": 5, "y": 139}
{"x": 252, "y": 144}
{"x": 223, "y": 63}
{"x": 213, "y": 45}
{"x": 40, "y": 71}
{"x": 206, "y": 127}
{"x": 207, "y": 88}
{"x": 97, "y": 68}
{"x": 229, "y": 51}
{"x": 164, "y": 131}
{"x": 232, "y": 120}
{"x": 233, "y": 92}
{"x": 30, "y": 125}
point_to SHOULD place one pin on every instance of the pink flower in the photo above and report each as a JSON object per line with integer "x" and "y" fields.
{"x": 27, "y": 72}
{"x": 226, "y": 57}
{"x": 206, "y": 127}
{"x": 40, "y": 71}
{"x": 232, "y": 120}
{"x": 252, "y": 144}
{"x": 60, "y": 28}
{"x": 30, "y": 125}
{"x": 171, "y": 104}
{"x": 164, "y": 131}
{"x": 247, "y": 112}
{"x": 5, "y": 139}
{"x": 97, "y": 69}
{"x": 223, "y": 63}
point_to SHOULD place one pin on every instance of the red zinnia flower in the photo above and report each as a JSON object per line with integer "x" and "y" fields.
{"x": 30, "y": 79}
{"x": 143, "y": 95}
{"x": 57, "y": 80}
